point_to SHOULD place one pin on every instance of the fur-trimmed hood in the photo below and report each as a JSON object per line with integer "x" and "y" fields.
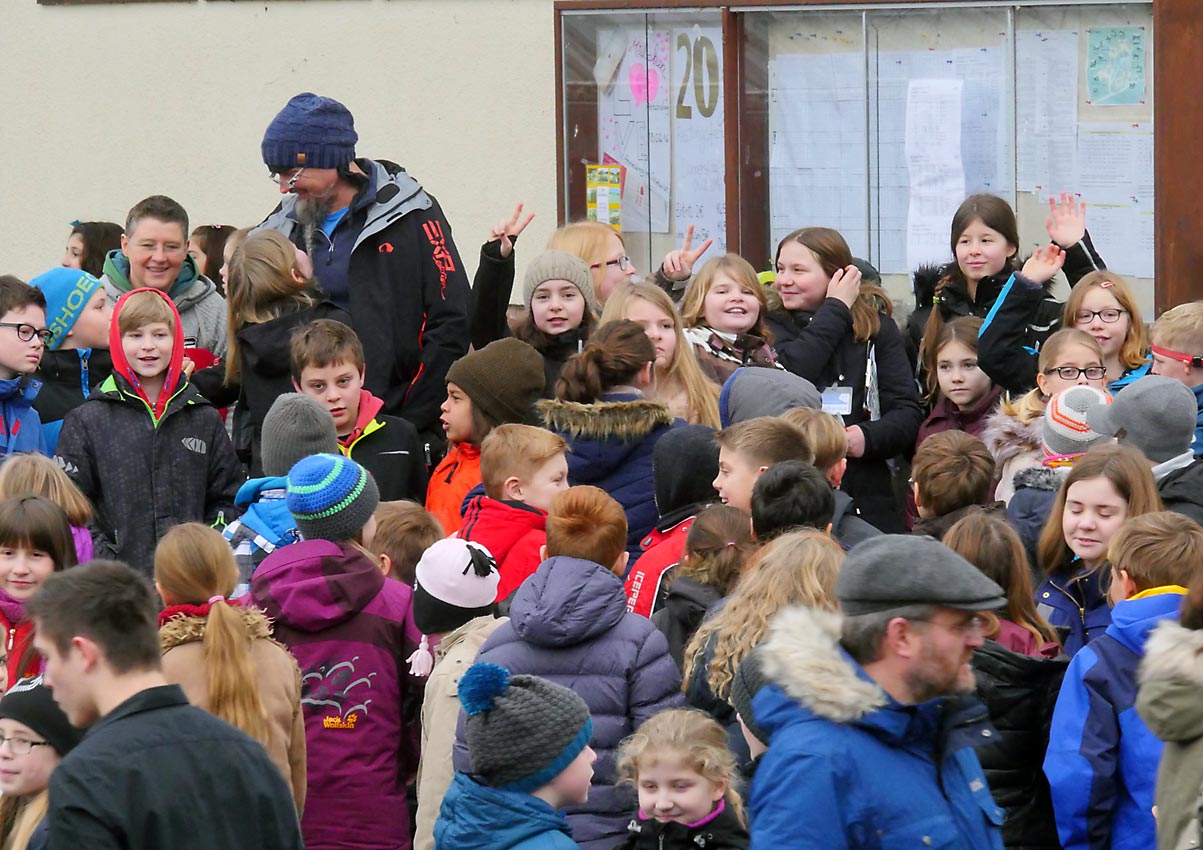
{"x": 621, "y": 417}
{"x": 1040, "y": 478}
{"x": 184, "y": 629}
{"x": 1171, "y": 676}
{"x": 923, "y": 284}
{"x": 1007, "y": 438}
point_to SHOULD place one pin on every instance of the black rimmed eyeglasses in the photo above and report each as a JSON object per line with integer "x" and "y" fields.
{"x": 26, "y": 332}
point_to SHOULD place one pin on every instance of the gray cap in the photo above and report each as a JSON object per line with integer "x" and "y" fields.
{"x": 754, "y": 391}
{"x": 897, "y": 570}
{"x": 295, "y": 427}
{"x": 1155, "y": 415}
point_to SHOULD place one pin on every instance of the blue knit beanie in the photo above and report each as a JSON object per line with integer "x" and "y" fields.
{"x": 311, "y": 131}
{"x": 331, "y": 497}
{"x": 67, "y": 292}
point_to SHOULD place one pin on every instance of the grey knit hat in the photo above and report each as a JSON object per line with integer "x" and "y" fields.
{"x": 331, "y": 497}
{"x": 560, "y": 265}
{"x": 1154, "y": 414}
{"x": 1065, "y": 431}
{"x": 522, "y": 731}
{"x": 504, "y": 379}
{"x": 899, "y": 570}
{"x": 295, "y": 427}
{"x": 749, "y": 679}
{"x": 754, "y": 391}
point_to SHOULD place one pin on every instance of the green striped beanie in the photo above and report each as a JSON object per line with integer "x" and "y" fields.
{"x": 330, "y": 497}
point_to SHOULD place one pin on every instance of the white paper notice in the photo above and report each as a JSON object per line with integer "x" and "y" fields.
{"x": 818, "y": 146}
{"x": 699, "y": 190}
{"x": 1046, "y": 110}
{"x": 1117, "y": 185}
{"x": 935, "y": 170}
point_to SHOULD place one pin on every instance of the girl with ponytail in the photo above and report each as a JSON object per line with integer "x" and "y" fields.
{"x": 602, "y": 411}
{"x": 223, "y": 655}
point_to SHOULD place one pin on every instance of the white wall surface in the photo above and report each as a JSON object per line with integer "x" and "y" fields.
{"x": 104, "y": 104}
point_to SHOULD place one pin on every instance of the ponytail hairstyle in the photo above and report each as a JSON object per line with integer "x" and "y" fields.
{"x": 38, "y": 475}
{"x": 263, "y": 286}
{"x": 997, "y": 215}
{"x": 193, "y": 564}
{"x": 612, "y": 358}
{"x": 1135, "y": 350}
{"x": 1030, "y": 407}
{"x": 833, "y": 254}
{"x": 689, "y": 737}
{"x": 963, "y": 330}
{"x": 717, "y": 547}
{"x": 991, "y": 545}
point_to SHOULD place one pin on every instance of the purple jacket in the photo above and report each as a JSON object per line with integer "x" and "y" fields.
{"x": 350, "y": 630}
{"x": 569, "y": 624}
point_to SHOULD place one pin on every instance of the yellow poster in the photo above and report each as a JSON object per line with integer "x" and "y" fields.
{"x": 603, "y": 200}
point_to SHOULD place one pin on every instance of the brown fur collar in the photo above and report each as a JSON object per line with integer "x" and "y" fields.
{"x": 602, "y": 420}
{"x": 1007, "y": 438}
{"x": 180, "y": 630}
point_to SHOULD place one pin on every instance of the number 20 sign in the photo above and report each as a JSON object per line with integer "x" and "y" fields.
{"x": 701, "y": 67}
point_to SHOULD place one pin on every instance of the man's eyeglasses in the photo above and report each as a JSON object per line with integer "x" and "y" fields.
{"x": 21, "y": 746}
{"x": 289, "y": 182}
{"x": 27, "y": 332}
{"x": 1110, "y": 315}
{"x": 623, "y": 263}
{"x": 1071, "y": 373}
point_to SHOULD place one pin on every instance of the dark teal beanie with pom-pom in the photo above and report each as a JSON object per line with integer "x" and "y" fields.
{"x": 522, "y": 731}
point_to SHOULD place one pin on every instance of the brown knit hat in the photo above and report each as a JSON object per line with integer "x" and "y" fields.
{"x": 560, "y": 265}
{"x": 503, "y": 379}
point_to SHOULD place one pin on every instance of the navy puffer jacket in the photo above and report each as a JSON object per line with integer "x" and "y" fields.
{"x": 569, "y": 624}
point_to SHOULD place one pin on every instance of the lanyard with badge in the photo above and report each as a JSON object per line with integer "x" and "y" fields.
{"x": 837, "y": 400}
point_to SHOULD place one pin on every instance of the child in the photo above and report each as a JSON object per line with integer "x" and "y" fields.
{"x": 686, "y": 778}
{"x": 717, "y": 548}
{"x": 684, "y": 463}
{"x": 561, "y": 310}
{"x": 146, "y": 449}
{"x": 523, "y": 468}
{"x": 35, "y": 542}
{"x": 951, "y": 477}
{"x": 39, "y": 736}
{"x": 841, "y": 336}
{"x": 962, "y": 395}
{"x": 1102, "y": 759}
{"x": 790, "y": 495}
{"x": 528, "y": 747}
{"x": 569, "y": 623}
{"x": 1177, "y": 346}
{"x": 747, "y": 449}
{"x": 328, "y": 365}
{"x": 349, "y": 628}
{"x": 601, "y": 411}
{"x": 1103, "y": 305}
{"x": 404, "y": 530}
{"x": 206, "y": 246}
{"x": 724, "y": 309}
{"x": 223, "y": 655}
{"x": 23, "y": 337}
{"x": 1013, "y": 433}
{"x": 680, "y": 382}
{"x": 752, "y": 391}
{"x": 76, "y": 360}
{"x": 1107, "y": 486}
{"x": 38, "y": 475}
{"x": 295, "y": 427}
{"x": 455, "y": 585}
{"x": 485, "y": 388}
{"x": 89, "y": 244}
{"x": 604, "y": 252}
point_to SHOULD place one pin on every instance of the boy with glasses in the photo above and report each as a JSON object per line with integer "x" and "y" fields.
{"x": 23, "y": 337}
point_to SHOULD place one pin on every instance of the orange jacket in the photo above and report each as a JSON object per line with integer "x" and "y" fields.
{"x": 455, "y": 475}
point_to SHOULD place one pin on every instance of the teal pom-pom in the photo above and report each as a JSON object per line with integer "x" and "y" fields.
{"x": 480, "y": 685}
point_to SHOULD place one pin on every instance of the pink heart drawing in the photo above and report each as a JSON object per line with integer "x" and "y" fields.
{"x": 645, "y": 82}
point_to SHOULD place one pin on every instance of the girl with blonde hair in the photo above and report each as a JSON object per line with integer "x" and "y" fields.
{"x": 38, "y": 475}
{"x": 679, "y": 382}
{"x": 223, "y": 655}
{"x": 724, "y": 310}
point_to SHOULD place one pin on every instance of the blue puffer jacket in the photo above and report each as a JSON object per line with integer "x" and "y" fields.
{"x": 22, "y": 427}
{"x": 569, "y": 624}
{"x": 848, "y": 767}
{"x": 1102, "y": 760}
{"x": 1075, "y": 604}
{"x": 612, "y": 441}
{"x": 476, "y": 817}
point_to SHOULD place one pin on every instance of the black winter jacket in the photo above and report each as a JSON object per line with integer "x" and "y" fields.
{"x": 392, "y": 452}
{"x": 144, "y": 479}
{"x": 158, "y": 772}
{"x": 492, "y": 288}
{"x": 1182, "y": 491}
{"x": 820, "y": 347}
{"x": 63, "y": 374}
{"x": 1020, "y": 693}
{"x": 722, "y": 831}
{"x": 685, "y": 607}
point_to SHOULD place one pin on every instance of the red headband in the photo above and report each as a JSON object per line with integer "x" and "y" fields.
{"x": 1191, "y": 359}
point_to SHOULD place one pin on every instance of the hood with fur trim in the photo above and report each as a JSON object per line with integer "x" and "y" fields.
{"x": 1040, "y": 478}
{"x": 185, "y": 629}
{"x": 615, "y": 417}
{"x": 1007, "y": 438}
{"x": 1171, "y": 676}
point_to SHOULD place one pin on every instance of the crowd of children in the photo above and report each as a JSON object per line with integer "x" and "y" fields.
{"x": 577, "y": 623}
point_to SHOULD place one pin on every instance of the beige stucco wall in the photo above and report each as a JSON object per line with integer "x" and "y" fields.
{"x": 102, "y": 105}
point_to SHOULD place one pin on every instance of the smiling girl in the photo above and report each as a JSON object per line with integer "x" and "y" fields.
{"x": 1103, "y": 305}
{"x": 561, "y": 310}
{"x": 724, "y": 309}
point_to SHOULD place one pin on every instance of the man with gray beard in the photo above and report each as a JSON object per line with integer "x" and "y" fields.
{"x": 381, "y": 250}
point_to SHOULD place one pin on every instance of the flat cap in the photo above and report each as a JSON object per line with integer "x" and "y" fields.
{"x": 897, "y": 570}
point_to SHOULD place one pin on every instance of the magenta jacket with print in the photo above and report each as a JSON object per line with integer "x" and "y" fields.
{"x": 351, "y": 631}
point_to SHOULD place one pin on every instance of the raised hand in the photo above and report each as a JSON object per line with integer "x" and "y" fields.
{"x": 678, "y": 265}
{"x": 845, "y": 285}
{"x": 508, "y": 229}
{"x": 1043, "y": 264}
{"x": 1066, "y": 222}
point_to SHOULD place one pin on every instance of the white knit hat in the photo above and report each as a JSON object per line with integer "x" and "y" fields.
{"x": 1066, "y": 431}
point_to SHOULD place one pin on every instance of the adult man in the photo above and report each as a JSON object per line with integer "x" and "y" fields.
{"x": 381, "y": 249}
{"x": 153, "y": 771}
{"x": 870, "y": 744}
{"x": 154, "y": 253}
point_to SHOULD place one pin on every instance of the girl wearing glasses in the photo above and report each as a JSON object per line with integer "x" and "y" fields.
{"x": 1013, "y": 433}
{"x": 34, "y": 737}
{"x": 1102, "y": 305}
